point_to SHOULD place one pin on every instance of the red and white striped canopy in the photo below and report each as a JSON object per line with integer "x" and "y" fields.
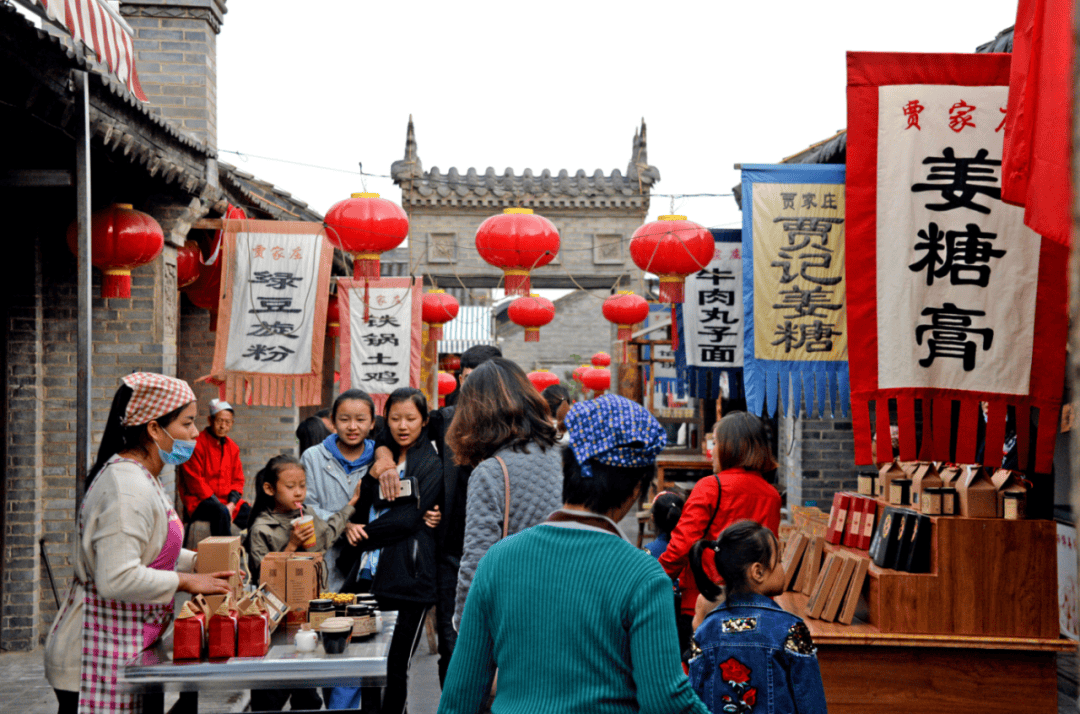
{"x": 91, "y": 23}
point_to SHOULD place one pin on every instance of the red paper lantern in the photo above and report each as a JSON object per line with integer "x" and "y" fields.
{"x": 333, "y": 317}
{"x": 438, "y": 309}
{"x": 672, "y": 247}
{"x": 517, "y": 241}
{"x": 447, "y": 384}
{"x": 625, "y": 309}
{"x": 601, "y": 359}
{"x": 532, "y": 313}
{"x": 121, "y": 239}
{"x": 579, "y": 372}
{"x": 596, "y": 379}
{"x": 366, "y": 226}
{"x": 451, "y": 363}
{"x": 542, "y": 379}
{"x": 188, "y": 263}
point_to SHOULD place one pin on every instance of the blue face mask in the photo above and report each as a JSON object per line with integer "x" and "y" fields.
{"x": 181, "y": 451}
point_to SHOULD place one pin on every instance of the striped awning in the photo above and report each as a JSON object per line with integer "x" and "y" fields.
{"x": 98, "y": 27}
{"x": 471, "y": 327}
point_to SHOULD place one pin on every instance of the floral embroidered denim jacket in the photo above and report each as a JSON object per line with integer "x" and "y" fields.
{"x": 752, "y": 656}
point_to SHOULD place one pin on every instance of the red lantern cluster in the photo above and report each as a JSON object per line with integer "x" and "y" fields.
{"x": 438, "y": 309}
{"x": 672, "y": 247}
{"x": 625, "y": 309}
{"x": 601, "y": 359}
{"x": 579, "y": 372}
{"x": 451, "y": 363}
{"x": 532, "y": 313}
{"x": 517, "y": 241}
{"x": 366, "y": 226}
{"x": 596, "y": 379}
{"x": 188, "y": 263}
{"x": 542, "y": 379}
{"x": 447, "y": 384}
{"x": 121, "y": 239}
{"x": 333, "y": 317}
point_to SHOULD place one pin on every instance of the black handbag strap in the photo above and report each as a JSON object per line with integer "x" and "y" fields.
{"x": 716, "y": 507}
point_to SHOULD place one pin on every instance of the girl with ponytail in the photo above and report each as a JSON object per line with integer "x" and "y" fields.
{"x": 749, "y": 647}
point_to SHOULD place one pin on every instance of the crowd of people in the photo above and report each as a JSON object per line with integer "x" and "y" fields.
{"x": 501, "y": 511}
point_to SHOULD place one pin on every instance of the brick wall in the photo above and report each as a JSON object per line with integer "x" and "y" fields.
{"x": 817, "y": 459}
{"x": 260, "y": 432}
{"x": 176, "y": 55}
{"x": 576, "y": 253}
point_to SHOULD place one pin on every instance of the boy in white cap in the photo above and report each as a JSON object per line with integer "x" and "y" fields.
{"x": 212, "y": 482}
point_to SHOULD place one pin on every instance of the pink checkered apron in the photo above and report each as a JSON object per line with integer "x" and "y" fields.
{"x": 115, "y": 631}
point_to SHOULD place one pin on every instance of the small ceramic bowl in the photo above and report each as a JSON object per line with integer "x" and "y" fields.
{"x": 336, "y": 632}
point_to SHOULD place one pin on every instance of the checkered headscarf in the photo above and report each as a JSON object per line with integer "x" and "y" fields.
{"x": 154, "y": 395}
{"x": 614, "y": 431}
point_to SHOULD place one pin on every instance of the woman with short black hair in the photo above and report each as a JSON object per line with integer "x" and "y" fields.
{"x": 573, "y": 616}
{"x": 502, "y": 425}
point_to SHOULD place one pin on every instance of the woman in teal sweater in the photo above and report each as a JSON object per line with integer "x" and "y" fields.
{"x": 570, "y": 614}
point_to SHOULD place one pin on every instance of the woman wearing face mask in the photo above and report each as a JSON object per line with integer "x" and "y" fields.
{"x": 129, "y": 563}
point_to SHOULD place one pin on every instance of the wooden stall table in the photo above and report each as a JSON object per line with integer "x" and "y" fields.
{"x": 866, "y": 670}
{"x": 978, "y": 633}
{"x": 362, "y": 664}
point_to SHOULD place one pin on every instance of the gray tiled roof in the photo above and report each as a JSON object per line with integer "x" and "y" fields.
{"x": 546, "y": 188}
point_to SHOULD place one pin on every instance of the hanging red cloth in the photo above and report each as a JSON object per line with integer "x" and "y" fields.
{"x": 1038, "y": 123}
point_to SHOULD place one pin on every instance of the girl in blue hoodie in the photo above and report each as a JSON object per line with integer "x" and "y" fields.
{"x": 750, "y": 650}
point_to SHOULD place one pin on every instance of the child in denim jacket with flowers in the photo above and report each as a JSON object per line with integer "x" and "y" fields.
{"x": 750, "y": 655}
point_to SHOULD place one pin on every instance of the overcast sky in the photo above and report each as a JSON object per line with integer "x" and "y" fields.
{"x": 556, "y": 84}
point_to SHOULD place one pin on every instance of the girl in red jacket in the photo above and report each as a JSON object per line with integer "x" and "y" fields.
{"x": 737, "y": 492}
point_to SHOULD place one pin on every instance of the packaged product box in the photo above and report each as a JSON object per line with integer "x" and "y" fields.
{"x": 272, "y": 573}
{"x": 304, "y": 577}
{"x": 793, "y": 555}
{"x": 917, "y": 552}
{"x": 977, "y": 493}
{"x": 925, "y": 476}
{"x": 883, "y": 547}
{"x": 840, "y": 587}
{"x": 252, "y": 629}
{"x": 218, "y": 554}
{"x": 950, "y": 475}
{"x": 868, "y": 522}
{"x": 838, "y": 518}
{"x": 190, "y": 629}
{"x": 223, "y": 627}
{"x": 886, "y": 474}
{"x": 1006, "y": 481}
{"x": 855, "y": 519}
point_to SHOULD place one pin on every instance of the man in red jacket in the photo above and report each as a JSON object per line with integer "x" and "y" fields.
{"x": 212, "y": 480}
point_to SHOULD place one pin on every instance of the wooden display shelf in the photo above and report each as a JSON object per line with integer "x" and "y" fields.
{"x": 988, "y": 577}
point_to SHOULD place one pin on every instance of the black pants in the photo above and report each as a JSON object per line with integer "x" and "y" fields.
{"x": 407, "y": 632}
{"x": 685, "y": 626}
{"x": 446, "y": 580}
{"x": 214, "y": 512}
{"x": 266, "y": 700}
{"x": 69, "y": 702}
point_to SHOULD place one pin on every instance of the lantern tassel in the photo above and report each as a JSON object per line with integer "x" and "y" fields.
{"x": 674, "y": 330}
{"x": 367, "y": 312}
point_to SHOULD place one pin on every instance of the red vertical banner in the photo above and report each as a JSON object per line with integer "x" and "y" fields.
{"x": 951, "y": 298}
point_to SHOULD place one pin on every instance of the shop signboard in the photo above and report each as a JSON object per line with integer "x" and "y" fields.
{"x": 380, "y": 346}
{"x": 951, "y": 298}
{"x": 794, "y": 288}
{"x": 275, "y": 288}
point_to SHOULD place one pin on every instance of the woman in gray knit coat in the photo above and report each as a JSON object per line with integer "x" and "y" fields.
{"x": 500, "y": 415}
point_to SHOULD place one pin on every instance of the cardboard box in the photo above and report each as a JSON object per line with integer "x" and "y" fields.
{"x": 925, "y": 476}
{"x": 950, "y": 475}
{"x": 793, "y": 554}
{"x": 840, "y": 587}
{"x": 272, "y": 573}
{"x": 977, "y": 493}
{"x": 305, "y": 576}
{"x": 218, "y": 554}
{"x": 823, "y": 584}
{"x": 1006, "y": 481}
{"x": 885, "y": 476}
{"x": 854, "y": 592}
{"x": 811, "y": 565}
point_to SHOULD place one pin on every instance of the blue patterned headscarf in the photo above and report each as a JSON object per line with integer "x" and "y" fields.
{"x": 614, "y": 431}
